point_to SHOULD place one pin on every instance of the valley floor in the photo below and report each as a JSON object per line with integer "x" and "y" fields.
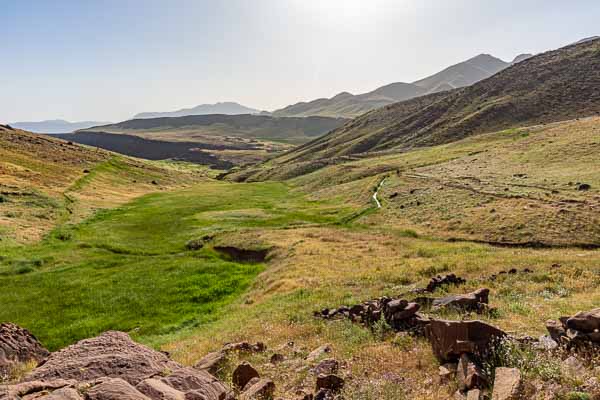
{"x": 155, "y": 267}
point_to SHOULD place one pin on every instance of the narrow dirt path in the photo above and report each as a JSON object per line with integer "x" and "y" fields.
{"x": 377, "y": 192}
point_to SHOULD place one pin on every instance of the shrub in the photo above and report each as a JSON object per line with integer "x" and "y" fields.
{"x": 532, "y": 363}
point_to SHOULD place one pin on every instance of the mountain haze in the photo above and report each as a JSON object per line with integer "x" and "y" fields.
{"x": 227, "y": 108}
{"x": 347, "y": 105}
{"x": 55, "y": 126}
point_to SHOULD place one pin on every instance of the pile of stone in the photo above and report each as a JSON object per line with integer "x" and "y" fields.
{"x": 582, "y": 329}
{"x": 400, "y": 314}
{"x": 113, "y": 367}
{"x": 512, "y": 271}
{"x": 446, "y": 280}
{"x": 214, "y": 362}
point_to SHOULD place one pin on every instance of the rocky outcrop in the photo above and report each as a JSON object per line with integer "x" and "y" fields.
{"x": 18, "y": 345}
{"x": 582, "y": 328}
{"x": 112, "y": 366}
{"x": 451, "y": 339}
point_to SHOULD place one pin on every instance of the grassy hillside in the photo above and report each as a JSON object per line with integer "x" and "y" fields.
{"x": 517, "y": 186}
{"x": 45, "y": 182}
{"x": 550, "y": 87}
{"x": 217, "y": 140}
{"x": 131, "y": 267}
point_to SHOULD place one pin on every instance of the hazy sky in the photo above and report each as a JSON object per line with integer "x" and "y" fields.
{"x": 110, "y": 59}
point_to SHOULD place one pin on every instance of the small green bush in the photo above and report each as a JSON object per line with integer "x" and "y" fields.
{"x": 578, "y": 396}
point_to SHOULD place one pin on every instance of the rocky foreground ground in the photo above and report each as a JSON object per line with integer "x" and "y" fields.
{"x": 112, "y": 366}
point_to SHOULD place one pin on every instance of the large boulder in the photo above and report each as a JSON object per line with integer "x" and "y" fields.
{"x": 451, "y": 339}
{"x": 18, "y": 345}
{"x": 585, "y": 321}
{"x": 112, "y": 366}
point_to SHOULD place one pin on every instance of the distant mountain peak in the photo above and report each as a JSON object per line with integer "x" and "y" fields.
{"x": 224, "y": 107}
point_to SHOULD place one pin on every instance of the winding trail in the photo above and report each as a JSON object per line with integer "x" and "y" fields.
{"x": 377, "y": 191}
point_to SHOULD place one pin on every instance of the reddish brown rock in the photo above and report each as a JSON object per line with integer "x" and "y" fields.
{"x": 112, "y": 365}
{"x": 469, "y": 375}
{"x": 475, "y": 301}
{"x": 327, "y": 366}
{"x": 451, "y": 339}
{"x": 242, "y": 374}
{"x": 157, "y": 389}
{"x": 18, "y": 345}
{"x": 114, "y": 389}
{"x": 261, "y": 389}
{"x": 585, "y": 321}
{"x": 212, "y": 362}
{"x": 330, "y": 382}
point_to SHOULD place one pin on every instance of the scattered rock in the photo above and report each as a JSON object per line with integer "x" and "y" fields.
{"x": 572, "y": 366}
{"x": 324, "y": 394}
{"x": 439, "y": 281}
{"x": 507, "y": 384}
{"x": 450, "y": 339}
{"x": 212, "y": 362}
{"x": 18, "y": 345}
{"x": 261, "y": 389}
{"x": 583, "y": 187}
{"x": 277, "y": 358}
{"x": 475, "y": 301}
{"x": 474, "y": 394}
{"x": 330, "y": 382}
{"x": 245, "y": 347}
{"x": 581, "y": 329}
{"x": 327, "y": 366}
{"x": 318, "y": 352}
{"x": 447, "y": 372}
{"x": 242, "y": 374}
{"x": 546, "y": 343}
{"x": 469, "y": 375}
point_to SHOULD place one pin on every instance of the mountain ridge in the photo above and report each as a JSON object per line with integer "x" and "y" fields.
{"x": 550, "y": 87}
{"x": 345, "y": 104}
{"x": 226, "y": 108}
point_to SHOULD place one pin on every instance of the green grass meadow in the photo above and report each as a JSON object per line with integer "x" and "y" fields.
{"x": 129, "y": 269}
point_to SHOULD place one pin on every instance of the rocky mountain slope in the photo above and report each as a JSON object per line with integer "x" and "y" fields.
{"x": 347, "y": 105}
{"x": 549, "y": 87}
{"x": 227, "y": 108}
